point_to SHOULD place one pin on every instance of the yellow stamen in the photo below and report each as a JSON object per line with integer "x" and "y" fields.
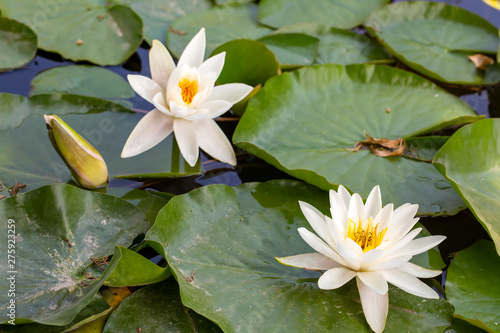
{"x": 188, "y": 90}
{"x": 365, "y": 236}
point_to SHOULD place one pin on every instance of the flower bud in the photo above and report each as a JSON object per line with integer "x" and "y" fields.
{"x": 85, "y": 163}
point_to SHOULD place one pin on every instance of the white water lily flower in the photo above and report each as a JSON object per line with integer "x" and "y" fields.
{"x": 186, "y": 102}
{"x": 369, "y": 242}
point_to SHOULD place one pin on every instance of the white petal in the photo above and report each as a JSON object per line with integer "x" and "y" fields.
{"x": 161, "y": 64}
{"x": 354, "y": 247}
{"x": 373, "y": 203}
{"x": 335, "y": 278}
{"x": 319, "y": 245}
{"x": 317, "y": 221}
{"x": 213, "y": 64}
{"x": 390, "y": 263}
{"x": 423, "y": 244}
{"x": 315, "y": 261}
{"x": 375, "y": 306}
{"x": 394, "y": 247}
{"x": 159, "y": 103}
{"x": 186, "y": 139}
{"x": 213, "y": 141}
{"x": 402, "y": 221}
{"x": 149, "y": 131}
{"x": 173, "y": 89}
{"x": 216, "y": 108}
{"x": 356, "y": 210}
{"x": 231, "y": 92}
{"x": 351, "y": 258}
{"x": 338, "y": 209}
{"x": 144, "y": 86}
{"x": 180, "y": 111}
{"x": 344, "y": 195}
{"x": 334, "y": 232}
{"x": 418, "y": 271}
{"x": 384, "y": 217}
{"x": 409, "y": 283}
{"x": 374, "y": 280}
{"x": 206, "y": 87}
{"x": 370, "y": 257}
{"x": 194, "y": 52}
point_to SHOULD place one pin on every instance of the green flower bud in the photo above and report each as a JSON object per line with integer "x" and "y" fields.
{"x": 85, "y": 163}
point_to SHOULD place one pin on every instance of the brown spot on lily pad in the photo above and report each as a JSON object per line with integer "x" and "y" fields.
{"x": 481, "y": 61}
{"x": 381, "y": 146}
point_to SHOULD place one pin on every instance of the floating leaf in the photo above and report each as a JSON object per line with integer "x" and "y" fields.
{"x": 157, "y": 308}
{"x": 92, "y": 30}
{"x": 58, "y": 229}
{"x": 82, "y": 80}
{"x": 337, "y": 13}
{"x": 341, "y": 47}
{"x": 17, "y": 42}
{"x": 292, "y": 49}
{"x": 232, "y": 234}
{"x": 158, "y": 15}
{"x": 222, "y": 24}
{"x": 472, "y": 286}
{"x": 304, "y": 123}
{"x": 470, "y": 160}
{"x": 240, "y": 65}
{"x": 135, "y": 270}
{"x": 435, "y": 39}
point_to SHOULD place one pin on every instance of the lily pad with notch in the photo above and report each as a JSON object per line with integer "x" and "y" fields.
{"x": 307, "y": 123}
{"x": 436, "y": 39}
{"x": 18, "y": 43}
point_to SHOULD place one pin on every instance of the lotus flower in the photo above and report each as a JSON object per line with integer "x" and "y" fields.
{"x": 85, "y": 163}
{"x": 371, "y": 243}
{"x": 186, "y": 102}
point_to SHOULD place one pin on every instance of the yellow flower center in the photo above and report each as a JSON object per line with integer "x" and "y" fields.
{"x": 365, "y": 235}
{"x": 189, "y": 88}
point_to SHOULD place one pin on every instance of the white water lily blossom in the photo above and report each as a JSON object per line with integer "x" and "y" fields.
{"x": 186, "y": 102}
{"x": 369, "y": 242}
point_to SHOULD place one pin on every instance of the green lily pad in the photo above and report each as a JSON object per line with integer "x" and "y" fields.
{"x": 92, "y": 30}
{"x": 222, "y": 24}
{"x": 461, "y": 326}
{"x": 82, "y": 80}
{"x": 135, "y": 270}
{"x": 157, "y": 308}
{"x": 470, "y": 160}
{"x": 337, "y": 46}
{"x": 157, "y": 15}
{"x": 232, "y": 234}
{"x": 304, "y": 123}
{"x": 33, "y": 161}
{"x": 240, "y": 65}
{"x": 435, "y": 39}
{"x": 56, "y": 230}
{"x": 17, "y": 42}
{"x": 292, "y": 49}
{"x": 337, "y": 13}
{"x": 95, "y": 309}
{"x": 472, "y": 286}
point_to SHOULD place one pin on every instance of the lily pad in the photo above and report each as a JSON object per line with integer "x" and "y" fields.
{"x": 95, "y": 309}
{"x": 157, "y": 308}
{"x": 292, "y": 49}
{"x": 135, "y": 270}
{"x": 157, "y": 15}
{"x": 17, "y": 42}
{"x": 222, "y": 24}
{"x": 472, "y": 286}
{"x": 305, "y": 123}
{"x": 240, "y": 65}
{"x": 337, "y": 13}
{"x": 435, "y": 39}
{"x": 92, "y": 30}
{"x": 337, "y": 46}
{"x": 56, "y": 230}
{"x": 470, "y": 160}
{"x": 461, "y": 326}
{"x": 232, "y": 234}
{"x": 82, "y": 80}
{"x": 33, "y": 161}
